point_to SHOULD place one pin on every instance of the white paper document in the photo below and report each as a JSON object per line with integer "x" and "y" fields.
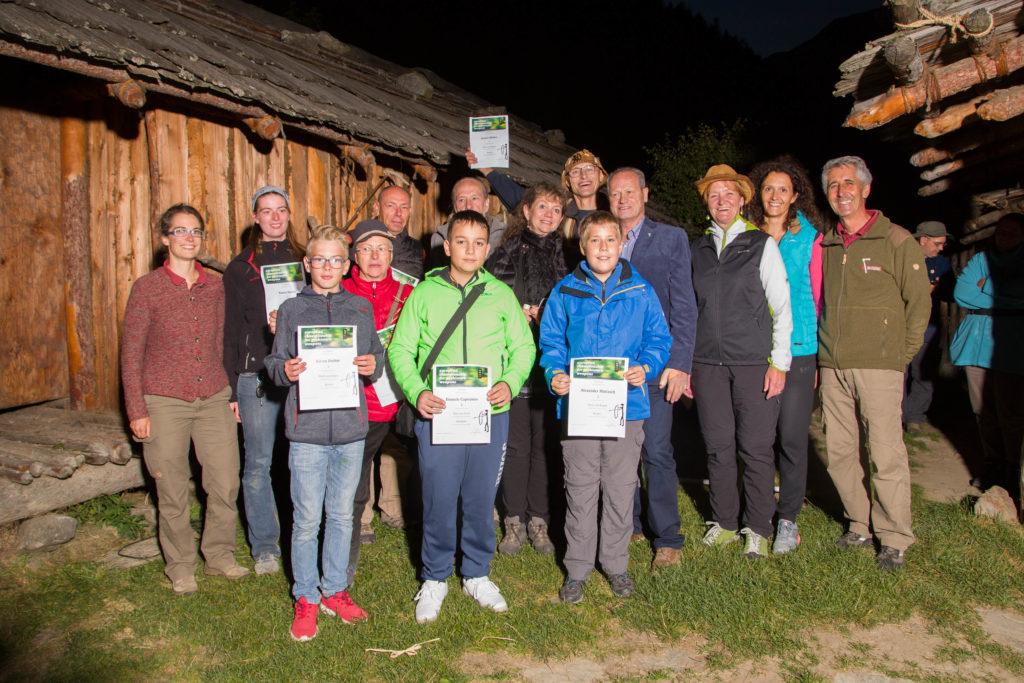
{"x": 466, "y": 417}
{"x": 488, "y": 139}
{"x": 597, "y": 397}
{"x": 330, "y": 380}
{"x": 386, "y": 387}
{"x": 281, "y": 282}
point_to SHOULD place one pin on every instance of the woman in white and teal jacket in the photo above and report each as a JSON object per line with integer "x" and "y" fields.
{"x": 785, "y": 209}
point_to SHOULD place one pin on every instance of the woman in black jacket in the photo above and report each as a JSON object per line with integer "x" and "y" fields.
{"x": 531, "y": 260}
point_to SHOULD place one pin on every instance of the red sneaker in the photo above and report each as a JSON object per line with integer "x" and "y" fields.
{"x": 341, "y": 606}
{"x": 304, "y": 624}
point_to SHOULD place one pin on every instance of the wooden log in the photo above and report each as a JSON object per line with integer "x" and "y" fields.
{"x": 942, "y": 82}
{"x": 15, "y": 464}
{"x": 950, "y": 119}
{"x": 904, "y": 11}
{"x": 904, "y": 60}
{"x": 74, "y": 143}
{"x": 935, "y": 188}
{"x": 96, "y": 451}
{"x": 267, "y": 127}
{"x": 942, "y": 170}
{"x": 130, "y": 93}
{"x": 296, "y": 181}
{"x": 933, "y": 155}
{"x": 221, "y": 234}
{"x": 361, "y": 155}
{"x": 54, "y": 463}
{"x": 425, "y": 171}
{"x": 979, "y": 235}
{"x": 980, "y": 25}
{"x": 16, "y": 476}
{"x": 1003, "y": 105}
{"x": 107, "y": 419}
{"x": 47, "y": 494}
{"x": 106, "y": 183}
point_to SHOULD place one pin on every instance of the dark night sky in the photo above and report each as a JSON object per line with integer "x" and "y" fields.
{"x": 769, "y": 27}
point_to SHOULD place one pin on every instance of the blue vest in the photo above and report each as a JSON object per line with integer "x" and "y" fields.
{"x": 796, "y": 255}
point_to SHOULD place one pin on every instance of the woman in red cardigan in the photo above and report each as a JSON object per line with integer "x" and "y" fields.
{"x": 176, "y": 392}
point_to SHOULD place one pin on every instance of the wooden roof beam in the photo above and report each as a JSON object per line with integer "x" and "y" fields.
{"x": 937, "y": 84}
{"x": 1003, "y": 105}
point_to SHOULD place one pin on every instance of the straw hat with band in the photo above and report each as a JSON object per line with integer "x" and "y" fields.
{"x": 725, "y": 172}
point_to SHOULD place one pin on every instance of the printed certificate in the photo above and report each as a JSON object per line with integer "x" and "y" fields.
{"x": 404, "y": 278}
{"x": 330, "y": 380}
{"x": 597, "y": 397}
{"x": 488, "y": 139}
{"x": 280, "y": 283}
{"x": 386, "y": 387}
{"x": 466, "y": 417}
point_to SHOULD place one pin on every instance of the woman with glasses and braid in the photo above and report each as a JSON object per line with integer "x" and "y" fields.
{"x": 176, "y": 392}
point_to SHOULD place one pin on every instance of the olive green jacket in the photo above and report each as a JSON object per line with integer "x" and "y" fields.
{"x": 877, "y": 299}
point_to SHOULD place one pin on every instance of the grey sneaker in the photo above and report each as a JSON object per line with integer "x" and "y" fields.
{"x": 621, "y": 585}
{"x": 429, "y": 599}
{"x": 889, "y": 559}
{"x": 787, "y": 537}
{"x": 571, "y": 591}
{"x": 515, "y": 537}
{"x": 853, "y": 540}
{"x": 266, "y": 563}
{"x": 537, "y": 530}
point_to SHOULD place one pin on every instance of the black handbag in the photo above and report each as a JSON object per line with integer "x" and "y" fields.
{"x": 405, "y": 418}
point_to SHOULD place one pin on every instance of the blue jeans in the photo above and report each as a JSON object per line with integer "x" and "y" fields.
{"x": 261, "y": 418}
{"x": 324, "y": 480}
{"x": 660, "y": 478}
{"x": 448, "y": 472}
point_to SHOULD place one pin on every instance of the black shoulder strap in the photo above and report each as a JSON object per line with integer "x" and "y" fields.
{"x": 442, "y": 339}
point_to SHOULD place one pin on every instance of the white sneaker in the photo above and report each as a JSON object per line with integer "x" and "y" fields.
{"x": 486, "y": 594}
{"x": 429, "y": 599}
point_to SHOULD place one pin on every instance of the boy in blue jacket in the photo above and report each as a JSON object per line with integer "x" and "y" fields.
{"x": 603, "y": 308}
{"x": 326, "y": 455}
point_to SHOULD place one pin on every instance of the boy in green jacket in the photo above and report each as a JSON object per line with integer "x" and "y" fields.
{"x": 494, "y": 333}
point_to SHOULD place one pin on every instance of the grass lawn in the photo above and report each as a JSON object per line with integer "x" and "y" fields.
{"x": 84, "y": 622}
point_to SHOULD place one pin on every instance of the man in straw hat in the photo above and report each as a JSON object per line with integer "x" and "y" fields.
{"x": 740, "y": 359}
{"x": 661, "y": 254}
{"x": 874, "y": 313}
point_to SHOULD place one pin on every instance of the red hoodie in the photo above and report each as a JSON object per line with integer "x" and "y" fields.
{"x": 381, "y": 294}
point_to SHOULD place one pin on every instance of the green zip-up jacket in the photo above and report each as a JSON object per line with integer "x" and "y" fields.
{"x": 494, "y": 333}
{"x": 877, "y": 299}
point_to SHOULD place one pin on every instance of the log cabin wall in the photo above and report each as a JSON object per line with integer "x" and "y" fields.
{"x": 81, "y": 209}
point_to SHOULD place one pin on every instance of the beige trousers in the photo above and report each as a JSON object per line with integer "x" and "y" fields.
{"x": 868, "y": 401}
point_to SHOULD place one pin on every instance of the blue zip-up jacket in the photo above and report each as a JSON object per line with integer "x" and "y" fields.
{"x": 324, "y": 427}
{"x": 621, "y": 317}
{"x": 796, "y": 250}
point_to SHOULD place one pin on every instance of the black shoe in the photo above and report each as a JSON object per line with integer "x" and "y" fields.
{"x": 889, "y": 559}
{"x": 571, "y": 592}
{"x": 622, "y": 585}
{"x": 853, "y": 540}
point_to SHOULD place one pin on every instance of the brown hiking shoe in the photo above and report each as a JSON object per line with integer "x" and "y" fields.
{"x": 537, "y": 529}
{"x": 515, "y": 537}
{"x": 665, "y": 557}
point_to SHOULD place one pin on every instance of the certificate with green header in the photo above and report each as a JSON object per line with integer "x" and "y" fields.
{"x": 281, "y": 282}
{"x": 597, "y": 397}
{"x": 466, "y": 417}
{"x": 404, "y": 278}
{"x": 386, "y": 387}
{"x": 330, "y": 380}
{"x": 488, "y": 139}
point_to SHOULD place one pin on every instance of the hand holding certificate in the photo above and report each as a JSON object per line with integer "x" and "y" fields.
{"x": 281, "y": 282}
{"x": 331, "y": 376}
{"x": 466, "y": 417}
{"x": 597, "y": 397}
{"x": 488, "y": 140}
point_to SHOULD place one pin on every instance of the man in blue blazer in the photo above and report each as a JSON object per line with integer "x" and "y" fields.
{"x": 661, "y": 254}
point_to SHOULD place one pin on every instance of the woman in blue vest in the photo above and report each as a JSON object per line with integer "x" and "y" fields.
{"x": 785, "y": 209}
{"x": 740, "y": 359}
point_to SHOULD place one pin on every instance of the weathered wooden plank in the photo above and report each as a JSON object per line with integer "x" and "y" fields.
{"x": 222, "y": 237}
{"x": 168, "y": 160}
{"x": 297, "y": 181}
{"x": 97, "y": 449}
{"x": 33, "y": 347}
{"x": 244, "y": 181}
{"x": 316, "y": 175}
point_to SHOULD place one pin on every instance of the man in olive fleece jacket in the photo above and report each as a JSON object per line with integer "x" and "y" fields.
{"x": 875, "y": 310}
